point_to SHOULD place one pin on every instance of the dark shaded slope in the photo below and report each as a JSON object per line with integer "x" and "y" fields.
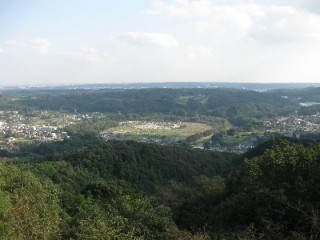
{"x": 146, "y": 165}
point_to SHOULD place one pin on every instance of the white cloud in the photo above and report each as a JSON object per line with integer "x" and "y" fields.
{"x": 39, "y": 45}
{"x": 224, "y": 19}
{"x": 1, "y": 50}
{"x": 149, "y": 39}
{"x": 199, "y": 52}
{"x": 308, "y": 5}
{"x": 209, "y": 16}
{"x": 181, "y": 8}
{"x": 283, "y": 23}
{"x": 89, "y": 53}
{"x": 245, "y": 19}
{"x": 15, "y": 43}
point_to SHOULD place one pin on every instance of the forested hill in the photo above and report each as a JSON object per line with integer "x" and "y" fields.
{"x": 310, "y": 94}
{"x": 309, "y": 97}
{"x": 129, "y": 190}
{"x": 220, "y": 102}
{"x": 236, "y": 105}
{"x": 274, "y": 195}
{"x": 103, "y": 191}
{"x": 143, "y": 165}
{"x": 148, "y": 165}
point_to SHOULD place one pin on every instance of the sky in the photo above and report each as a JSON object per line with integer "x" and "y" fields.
{"x": 54, "y": 42}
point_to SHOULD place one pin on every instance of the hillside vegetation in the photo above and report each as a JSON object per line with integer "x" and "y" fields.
{"x": 129, "y": 190}
{"x": 80, "y": 184}
{"x": 233, "y": 104}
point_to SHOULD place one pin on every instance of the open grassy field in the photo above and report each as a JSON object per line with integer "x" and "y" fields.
{"x": 179, "y": 130}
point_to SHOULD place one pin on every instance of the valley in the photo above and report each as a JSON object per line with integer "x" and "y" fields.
{"x": 159, "y": 164}
{"x": 218, "y": 119}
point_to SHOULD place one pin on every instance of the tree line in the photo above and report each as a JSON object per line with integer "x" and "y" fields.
{"x": 129, "y": 190}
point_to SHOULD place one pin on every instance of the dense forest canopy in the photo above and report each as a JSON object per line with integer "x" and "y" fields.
{"x": 129, "y": 190}
{"x": 220, "y": 102}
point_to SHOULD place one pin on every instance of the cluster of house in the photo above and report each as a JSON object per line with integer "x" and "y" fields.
{"x": 291, "y": 126}
{"x": 39, "y": 126}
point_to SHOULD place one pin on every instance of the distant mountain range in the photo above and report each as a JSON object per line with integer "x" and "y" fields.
{"x": 251, "y": 86}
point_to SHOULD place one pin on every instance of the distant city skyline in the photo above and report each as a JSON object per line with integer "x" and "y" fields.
{"x": 54, "y": 42}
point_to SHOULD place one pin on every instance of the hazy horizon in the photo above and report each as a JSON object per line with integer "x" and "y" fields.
{"x": 172, "y": 85}
{"x": 100, "y": 42}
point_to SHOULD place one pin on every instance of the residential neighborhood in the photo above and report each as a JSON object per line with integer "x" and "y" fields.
{"x": 35, "y": 127}
{"x": 47, "y": 126}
